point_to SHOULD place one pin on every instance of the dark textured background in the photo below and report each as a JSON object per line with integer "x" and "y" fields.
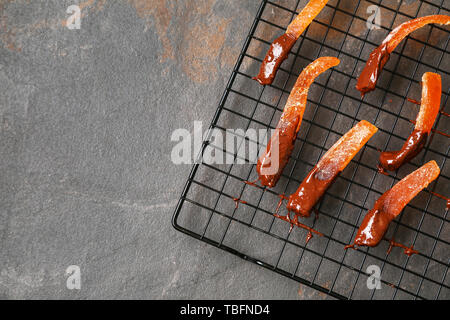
{"x": 85, "y": 171}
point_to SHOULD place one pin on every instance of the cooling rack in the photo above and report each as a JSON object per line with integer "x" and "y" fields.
{"x": 219, "y": 208}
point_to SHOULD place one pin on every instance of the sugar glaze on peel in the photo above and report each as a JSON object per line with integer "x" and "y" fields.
{"x": 380, "y": 56}
{"x": 327, "y": 169}
{"x": 280, "y": 48}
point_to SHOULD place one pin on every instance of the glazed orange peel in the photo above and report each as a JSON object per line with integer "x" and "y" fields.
{"x": 305, "y": 17}
{"x": 380, "y": 56}
{"x": 429, "y": 109}
{"x": 271, "y": 164}
{"x": 430, "y": 103}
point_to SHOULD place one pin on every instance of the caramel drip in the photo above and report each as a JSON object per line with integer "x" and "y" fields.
{"x": 413, "y": 101}
{"x": 237, "y": 201}
{"x": 298, "y": 224}
{"x": 434, "y": 130}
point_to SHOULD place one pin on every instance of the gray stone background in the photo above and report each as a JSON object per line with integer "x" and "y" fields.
{"x": 86, "y": 177}
{"x": 85, "y": 171}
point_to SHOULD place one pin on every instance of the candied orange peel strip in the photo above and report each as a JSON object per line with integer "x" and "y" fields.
{"x": 280, "y": 48}
{"x": 305, "y": 17}
{"x": 380, "y": 56}
{"x": 271, "y": 164}
{"x": 391, "y": 203}
{"x": 327, "y": 169}
{"x": 429, "y": 109}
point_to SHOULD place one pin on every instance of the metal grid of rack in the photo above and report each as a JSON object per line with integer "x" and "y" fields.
{"x": 209, "y": 207}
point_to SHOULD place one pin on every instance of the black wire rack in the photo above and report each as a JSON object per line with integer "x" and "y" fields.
{"x": 219, "y": 208}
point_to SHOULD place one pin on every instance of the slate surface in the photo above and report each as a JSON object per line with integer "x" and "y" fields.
{"x": 86, "y": 119}
{"x": 85, "y": 171}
